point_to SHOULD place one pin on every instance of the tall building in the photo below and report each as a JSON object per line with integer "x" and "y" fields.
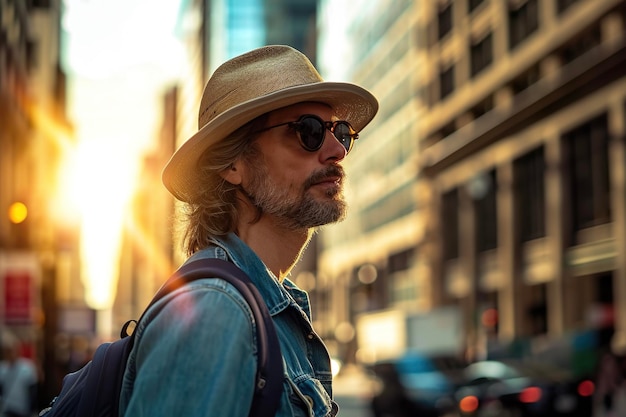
{"x": 515, "y": 218}
{"x": 33, "y": 123}
{"x": 370, "y": 262}
{"x": 524, "y": 154}
{"x": 38, "y": 239}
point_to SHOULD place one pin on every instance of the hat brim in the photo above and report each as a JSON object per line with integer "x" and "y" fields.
{"x": 348, "y": 101}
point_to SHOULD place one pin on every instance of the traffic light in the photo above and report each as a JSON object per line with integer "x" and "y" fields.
{"x": 18, "y": 216}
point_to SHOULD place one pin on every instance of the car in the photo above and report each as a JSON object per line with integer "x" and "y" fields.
{"x": 513, "y": 387}
{"x": 417, "y": 384}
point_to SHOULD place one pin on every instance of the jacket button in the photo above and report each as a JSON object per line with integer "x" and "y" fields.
{"x": 310, "y": 336}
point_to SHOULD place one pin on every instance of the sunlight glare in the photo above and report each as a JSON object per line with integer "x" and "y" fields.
{"x": 115, "y": 97}
{"x": 102, "y": 184}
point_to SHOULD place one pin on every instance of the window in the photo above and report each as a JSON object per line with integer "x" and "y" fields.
{"x": 400, "y": 261}
{"x": 563, "y": 5}
{"x": 482, "y": 107}
{"x": 448, "y": 129}
{"x": 44, "y": 4}
{"x": 450, "y": 224}
{"x": 589, "y": 174}
{"x": 443, "y": 132}
{"x": 486, "y": 214}
{"x": 446, "y": 82}
{"x": 537, "y": 312}
{"x": 577, "y": 47}
{"x": 523, "y": 21}
{"x": 481, "y": 55}
{"x": 30, "y": 51}
{"x": 444, "y": 21}
{"x": 529, "y": 172}
{"x": 473, "y": 4}
{"x": 526, "y": 79}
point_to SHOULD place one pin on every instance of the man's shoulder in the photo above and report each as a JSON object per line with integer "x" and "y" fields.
{"x": 203, "y": 297}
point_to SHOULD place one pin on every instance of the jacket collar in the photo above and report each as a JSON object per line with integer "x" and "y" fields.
{"x": 276, "y": 296}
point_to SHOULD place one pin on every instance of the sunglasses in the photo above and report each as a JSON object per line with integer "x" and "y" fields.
{"x": 311, "y": 130}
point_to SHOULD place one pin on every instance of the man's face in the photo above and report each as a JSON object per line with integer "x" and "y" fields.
{"x": 298, "y": 188}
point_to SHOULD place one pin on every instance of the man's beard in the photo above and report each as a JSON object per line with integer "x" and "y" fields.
{"x": 296, "y": 209}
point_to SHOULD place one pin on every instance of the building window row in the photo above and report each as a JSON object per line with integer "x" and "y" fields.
{"x": 523, "y": 19}
{"x": 587, "y": 193}
{"x": 481, "y": 57}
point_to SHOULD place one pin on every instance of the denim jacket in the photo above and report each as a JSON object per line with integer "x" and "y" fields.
{"x": 197, "y": 356}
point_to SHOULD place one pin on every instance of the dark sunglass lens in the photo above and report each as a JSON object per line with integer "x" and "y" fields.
{"x": 311, "y": 132}
{"x": 343, "y": 133}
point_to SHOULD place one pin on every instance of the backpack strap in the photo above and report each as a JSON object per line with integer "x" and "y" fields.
{"x": 103, "y": 375}
{"x": 269, "y": 377}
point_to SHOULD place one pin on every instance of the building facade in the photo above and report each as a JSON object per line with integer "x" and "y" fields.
{"x": 516, "y": 173}
{"x": 38, "y": 233}
{"x": 529, "y": 195}
{"x": 368, "y": 264}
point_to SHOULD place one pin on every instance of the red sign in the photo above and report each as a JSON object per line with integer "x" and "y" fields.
{"x": 18, "y": 297}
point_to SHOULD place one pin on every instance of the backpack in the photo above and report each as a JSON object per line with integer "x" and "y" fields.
{"x": 94, "y": 390}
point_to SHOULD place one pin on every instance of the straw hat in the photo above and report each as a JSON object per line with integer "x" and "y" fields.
{"x": 250, "y": 85}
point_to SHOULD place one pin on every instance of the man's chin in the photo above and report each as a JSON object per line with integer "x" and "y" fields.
{"x": 332, "y": 213}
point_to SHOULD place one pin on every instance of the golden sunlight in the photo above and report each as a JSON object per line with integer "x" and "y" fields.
{"x": 114, "y": 100}
{"x": 100, "y": 181}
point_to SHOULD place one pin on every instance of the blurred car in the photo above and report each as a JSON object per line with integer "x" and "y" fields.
{"x": 417, "y": 385}
{"x": 515, "y": 388}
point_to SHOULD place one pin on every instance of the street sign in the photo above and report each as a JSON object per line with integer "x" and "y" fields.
{"x": 19, "y": 280}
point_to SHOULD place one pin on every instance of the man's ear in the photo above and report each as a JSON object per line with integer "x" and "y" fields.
{"x": 233, "y": 174}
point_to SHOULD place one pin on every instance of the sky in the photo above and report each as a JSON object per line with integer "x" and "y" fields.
{"x": 119, "y": 56}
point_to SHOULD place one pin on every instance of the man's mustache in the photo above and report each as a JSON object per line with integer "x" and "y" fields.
{"x": 333, "y": 171}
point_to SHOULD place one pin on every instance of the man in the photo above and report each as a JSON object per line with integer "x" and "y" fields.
{"x": 18, "y": 380}
{"x": 263, "y": 171}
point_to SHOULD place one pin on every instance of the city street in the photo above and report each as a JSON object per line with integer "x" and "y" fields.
{"x": 482, "y": 211}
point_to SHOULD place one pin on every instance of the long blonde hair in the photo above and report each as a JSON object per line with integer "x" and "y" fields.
{"x": 212, "y": 211}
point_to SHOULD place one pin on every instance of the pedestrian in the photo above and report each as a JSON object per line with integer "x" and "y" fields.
{"x": 608, "y": 381}
{"x": 262, "y": 173}
{"x": 18, "y": 380}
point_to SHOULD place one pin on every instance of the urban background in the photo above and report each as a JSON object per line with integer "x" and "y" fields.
{"x": 487, "y": 199}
